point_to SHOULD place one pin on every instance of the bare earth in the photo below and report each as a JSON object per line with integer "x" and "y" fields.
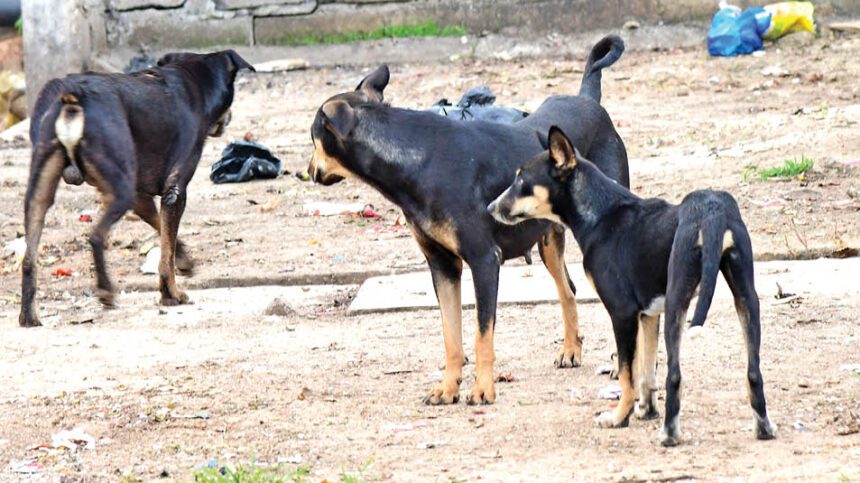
{"x": 321, "y": 388}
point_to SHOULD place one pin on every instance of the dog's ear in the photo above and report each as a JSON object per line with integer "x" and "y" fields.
{"x": 170, "y": 58}
{"x": 375, "y": 83}
{"x": 339, "y": 118}
{"x": 236, "y": 61}
{"x": 561, "y": 150}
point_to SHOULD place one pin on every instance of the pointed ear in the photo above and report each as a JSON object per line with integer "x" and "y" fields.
{"x": 339, "y": 118}
{"x": 561, "y": 150}
{"x": 375, "y": 83}
{"x": 236, "y": 61}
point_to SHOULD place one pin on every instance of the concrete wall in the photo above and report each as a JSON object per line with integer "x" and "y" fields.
{"x": 62, "y": 36}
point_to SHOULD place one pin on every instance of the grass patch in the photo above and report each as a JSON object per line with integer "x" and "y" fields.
{"x": 790, "y": 169}
{"x": 359, "y": 477}
{"x": 252, "y": 474}
{"x": 426, "y": 29}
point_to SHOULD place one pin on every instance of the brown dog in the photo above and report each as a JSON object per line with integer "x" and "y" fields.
{"x": 133, "y": 137}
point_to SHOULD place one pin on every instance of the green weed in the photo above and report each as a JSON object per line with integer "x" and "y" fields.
{"x": 790, "y": 169}
{"x": 426, "y": 29}
{"x": 252, "y": 474}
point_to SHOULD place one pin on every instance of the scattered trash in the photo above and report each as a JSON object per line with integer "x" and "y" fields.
{"x": 845, "y": 26}
{"x": 397, "y": 427}
{"x": 304, "y": 394}
{"x": 280, "y": 307}
{"x": 508, "y": 377}
{"x": 293, "y": 459}
{"x": 800, "y": 427}
{"x": 304, "y": 175}
{"x": 780, "y": 294}
{"x": 735, "y": 32}
{"x": 477, "y": 105}
{"x": 200, "y": 415}
{"x": 150, "y": 265}
{"x": 631, "y": 25}
{"x": 72, "y": 440}
{"x": 26, "y": 466}
{"x": 85, "y": 219}
{"x": 604, "y": 369}
{"x": 243, "y": 161}
{"x": 16, "y": 247}
{"x": 853, "y": 368}
{"x": 431, "y": 444}
{"x": 139, "y": 62}
{"x": 212, "y": 463}
{"x": 63, "y": 272}
{"x": 610, "y": 392}
{"x": 326, "y": 208}
{"x": 282, "y": 65}
{"x": 775, "y": 71}
{"x": 270, "y": 205}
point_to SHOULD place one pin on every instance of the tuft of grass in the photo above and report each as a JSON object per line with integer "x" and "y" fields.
{"x": 426, "y": 29}
{"x": 19, "y": 25}
{"x": 356, "y": 478}
{"x": 252, "y": 474}
{"x": 790, "y": 169}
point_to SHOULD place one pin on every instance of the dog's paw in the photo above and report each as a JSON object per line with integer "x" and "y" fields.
{"x": 443, "y": 395}
{"x": 568, "y": 358}
{"x": 670, "y": 434}
{"x": 29, "y": 321}
{"x": 645, "y": 412}
{"x": 611, "y": 419}
{"x": 181, "y": 298}
{"x": 106, "y": 297}
{"x": 764, "y": 429}
{"x": 482, "y": 394}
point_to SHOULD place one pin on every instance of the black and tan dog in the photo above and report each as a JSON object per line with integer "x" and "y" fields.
{"x": 442, "y": 173}
{"x": 133, "y": 137}
{"x": 644, "y": 255}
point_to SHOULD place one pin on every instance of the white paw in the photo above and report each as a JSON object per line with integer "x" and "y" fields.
{"x": 605, "y": 419}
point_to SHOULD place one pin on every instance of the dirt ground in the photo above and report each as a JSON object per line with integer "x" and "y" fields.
{"x": 338, "y": 392}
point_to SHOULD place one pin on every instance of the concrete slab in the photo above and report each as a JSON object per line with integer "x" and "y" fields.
{"x": 533, "y": 285}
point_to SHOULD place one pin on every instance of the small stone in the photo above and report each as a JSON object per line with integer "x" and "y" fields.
{"x": 280, "y": 307}
{"x": 631, "y": 25}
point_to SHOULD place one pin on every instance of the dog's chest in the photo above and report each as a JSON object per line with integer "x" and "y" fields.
{"x": 656, "y": 307}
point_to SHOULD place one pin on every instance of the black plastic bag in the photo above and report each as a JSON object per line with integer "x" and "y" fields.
{"x": 245, "y": 160}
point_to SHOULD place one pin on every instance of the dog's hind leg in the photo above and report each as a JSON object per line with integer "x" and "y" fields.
{"x": 737, "y": 267}
{"x": 625, "y": 329}
{"x": 485, "y": 272}
{"x": 646, "y": 367}
{"x": 551, "y": 249}
{"x": 171, "y": 214}
{"x": 144, "y": 207}
{"x": 45, "y": 172}
{"x": 446, "y": 270}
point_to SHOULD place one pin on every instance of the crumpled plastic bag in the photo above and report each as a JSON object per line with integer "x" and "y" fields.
{"x": 787, "y": 17}
{"x": 243, "y": 161}
{"x": 477, "y": 105}
{"x": 735, "y": 32}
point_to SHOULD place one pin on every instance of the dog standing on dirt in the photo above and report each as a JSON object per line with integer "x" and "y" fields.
{"x": 442, "y": 173}
{"x": 133, "y": 137}
{"x": 644, "y": 257}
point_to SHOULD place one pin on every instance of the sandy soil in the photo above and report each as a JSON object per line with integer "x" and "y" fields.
{"x": 336, "y": 392}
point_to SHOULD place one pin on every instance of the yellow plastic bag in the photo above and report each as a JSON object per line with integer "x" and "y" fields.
{"x": 787, "y": 17}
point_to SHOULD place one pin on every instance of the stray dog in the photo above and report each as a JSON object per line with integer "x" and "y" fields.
{"x": 133, "y": 137}
{"x": 644, "y": 257}
{"x": 442, "y": 173}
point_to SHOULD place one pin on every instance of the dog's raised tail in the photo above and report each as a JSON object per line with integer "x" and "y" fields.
{"x": 715, "y": 238}
{"x": 603, "y": 54}
{"x": 69, "y": 128}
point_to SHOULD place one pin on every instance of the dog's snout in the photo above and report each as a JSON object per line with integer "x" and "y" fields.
{"x": 493, "y": 207}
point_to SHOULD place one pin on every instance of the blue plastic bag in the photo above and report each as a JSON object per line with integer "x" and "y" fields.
{"x": 734, "y": 32}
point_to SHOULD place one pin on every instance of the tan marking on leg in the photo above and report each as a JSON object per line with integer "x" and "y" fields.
{"x": 452, "y": 331}
{"x": 571, "y": 353}
{"x": 618, "y": 416}
{"x": 646, "y": 366}
{"x": 485, "y": 389}
{"x": 728, "y": 240}
{"x": 444, "y": 233}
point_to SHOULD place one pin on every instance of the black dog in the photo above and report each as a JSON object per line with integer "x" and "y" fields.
{"x": 442, "y": 173}
{"x": 133, "y": 137}
{"x": 641, "y": 254}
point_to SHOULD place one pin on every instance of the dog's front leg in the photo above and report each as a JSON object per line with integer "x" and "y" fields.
{"x": 625, "y": 329}
{"x": 485, "y": 273}
{"x": 171, "y": 214}
{"x": 446, "y": 271}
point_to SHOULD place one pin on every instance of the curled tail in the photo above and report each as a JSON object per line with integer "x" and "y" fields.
{"x": 714, "y": 239}
{"x": 69, "y": 129}
{"x": 603, "y": 54}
